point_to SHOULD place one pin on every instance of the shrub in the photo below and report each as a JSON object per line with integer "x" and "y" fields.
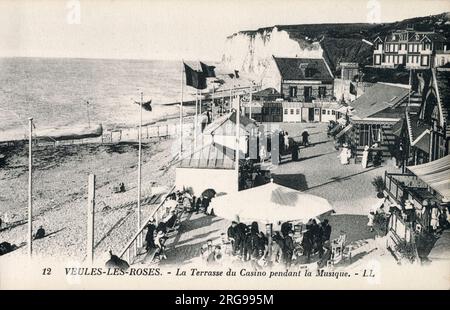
{"x": 378, "y": 183}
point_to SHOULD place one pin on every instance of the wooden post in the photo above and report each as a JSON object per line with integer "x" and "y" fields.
{"x": 30, "y": 188}
{"x": 90, "y": 219}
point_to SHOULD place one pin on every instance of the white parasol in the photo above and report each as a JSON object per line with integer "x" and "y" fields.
{"x": 270, "y": 203}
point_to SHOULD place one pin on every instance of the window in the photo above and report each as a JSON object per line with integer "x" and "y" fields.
{"x": 333, "y": 112}
{"x": 403, "y": 47}
{"x": 380, "y": 47}
{"x": 410, "y": 48}
{"x": 328, "y": 112}
{"x": 286, "y": 111}
{"x": 370, "y": 134}
{"x": 292, "y": 111}
{"x": 377, "y": 59}
{"x": 292, "y": 91}
{"x": 324, "y": 112}
{"x": 364, "y": 135}
{"x": 308, "y": 72}
{"x": 297, "y": 111}
{"x": 395, "y": 47}
{"x": 322, "y": 91}
{"x": 424, "y": 60}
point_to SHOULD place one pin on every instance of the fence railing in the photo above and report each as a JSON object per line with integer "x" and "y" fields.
{"x": 131, "y": 249}
{"x": 394, "y": 187}
{"x": 122, "y": 135}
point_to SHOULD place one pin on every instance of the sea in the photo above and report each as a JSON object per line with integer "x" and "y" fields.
{"x": 69, "y": 92}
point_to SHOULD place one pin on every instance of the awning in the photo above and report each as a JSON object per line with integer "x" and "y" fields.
{"x": 435, "y": 174}
{"x": 398, "y": 128}
{"x": 343, "y": 131}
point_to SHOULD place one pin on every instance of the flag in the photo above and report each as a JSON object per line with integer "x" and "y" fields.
{"x": 208, "y": 71}
{"x": 146, "y": 105}
{"x": 236, "y": 73}
{"x": 353, "y": 90}
{"x": 196, "y": 79}
{"x": 231, "y": 75}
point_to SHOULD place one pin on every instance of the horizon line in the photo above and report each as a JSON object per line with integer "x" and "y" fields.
{"x": 111, "y": 58}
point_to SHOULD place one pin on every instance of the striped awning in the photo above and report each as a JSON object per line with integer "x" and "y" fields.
{"x": 435, "y": 174}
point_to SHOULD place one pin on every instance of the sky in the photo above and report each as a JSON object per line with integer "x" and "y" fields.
{"x": 172, "y": 29}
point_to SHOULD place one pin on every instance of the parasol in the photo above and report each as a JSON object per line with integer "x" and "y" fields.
{"x": 270, "y": 203}
{"x": 209, "y": 193}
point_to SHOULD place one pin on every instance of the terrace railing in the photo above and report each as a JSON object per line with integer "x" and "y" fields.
{"x": 131, "y": 250}
{"x": 397, "y": 185}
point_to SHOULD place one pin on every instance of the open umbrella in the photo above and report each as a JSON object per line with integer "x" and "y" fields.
{"x": 270, "y": 203}
{"x": 209, "y": 193}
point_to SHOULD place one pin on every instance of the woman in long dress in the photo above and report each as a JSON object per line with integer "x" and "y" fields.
{"x": 345, "y": 155}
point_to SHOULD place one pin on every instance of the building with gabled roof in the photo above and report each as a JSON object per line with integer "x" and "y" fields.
{"x": 409, "y": 48}
{"x": 300, "y": 79}
{"x": 374, "y": 115}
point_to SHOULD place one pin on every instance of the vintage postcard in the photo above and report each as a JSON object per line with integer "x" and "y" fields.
{"x": 250, "y": 144}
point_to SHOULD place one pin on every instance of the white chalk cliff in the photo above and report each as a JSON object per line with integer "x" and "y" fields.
{"x": 251, "y": 51}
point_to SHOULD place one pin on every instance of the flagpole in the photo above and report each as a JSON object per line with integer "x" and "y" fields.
{"x": 30, "y": 189}
{"x": 251, "y": 97}
{"x": 212, "y": 103}
{"x": 195, "y": 119}
{"x": 139, "y": 165}
{"x": 181, "y": 110}
{"x": 237, "y": 138}
{"x": 89, "y": 118}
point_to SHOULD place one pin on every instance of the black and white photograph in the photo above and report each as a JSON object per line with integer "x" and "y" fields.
{"x": 248, "y": 144}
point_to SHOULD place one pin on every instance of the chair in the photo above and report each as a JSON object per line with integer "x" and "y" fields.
{"x": 337, "y": 249}
{"x": 227, "y": 245}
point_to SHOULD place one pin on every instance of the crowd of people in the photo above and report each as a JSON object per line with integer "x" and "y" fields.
{"x": 286, "y": 145}
{"x": 248, "y": 243}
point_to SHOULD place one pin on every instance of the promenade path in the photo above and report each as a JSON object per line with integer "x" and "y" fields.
{"x": 348, "y": 188}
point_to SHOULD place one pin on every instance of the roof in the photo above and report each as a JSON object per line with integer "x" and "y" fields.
{"x": 387, "y": 75}
{"x": 423, "y": 143}
{"x": 303, "y": 69}
{"x": 376, "y": 99}
{"x": 412, "y": 36}
{"x": 211, "y": 156}
{"x": 416, "y": 129}
{"x": 443, "y": 84}
{"x": 267, "y": 92}
{"x": 435, "y": 174}
{"x": 397, "y": 129}
{"x": 224, "y": 124}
